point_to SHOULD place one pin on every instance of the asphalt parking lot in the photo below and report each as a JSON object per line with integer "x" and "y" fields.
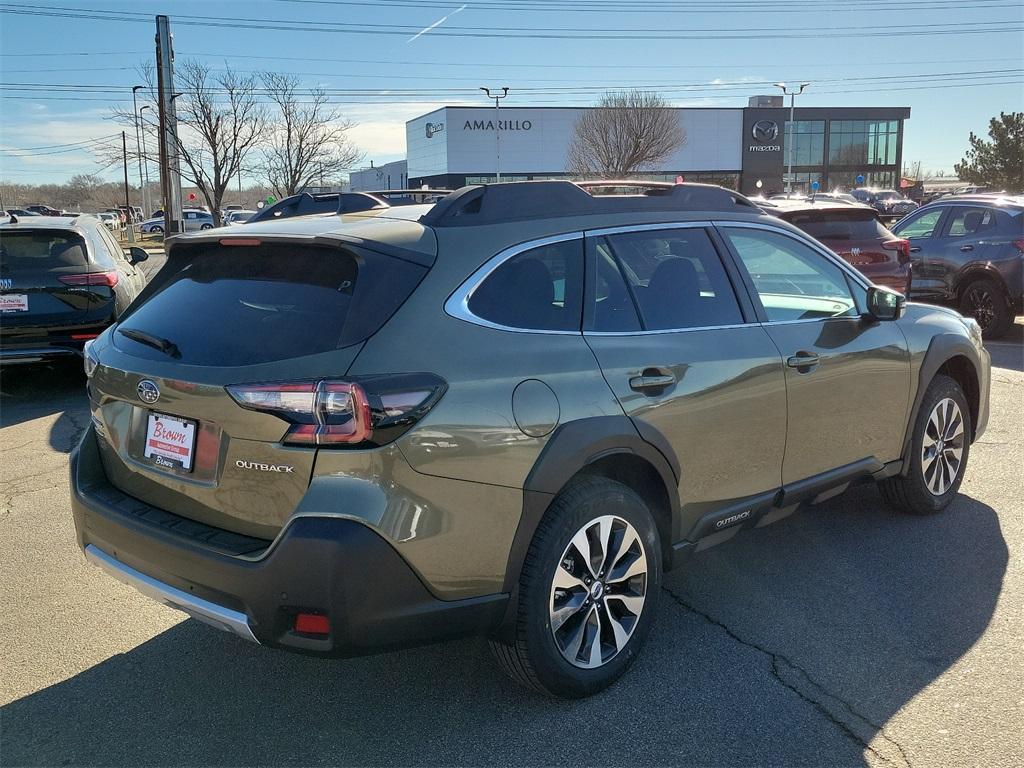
{"x": 844, "y": 635}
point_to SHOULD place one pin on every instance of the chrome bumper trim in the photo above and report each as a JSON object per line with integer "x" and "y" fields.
{"x": 202, "y": 610}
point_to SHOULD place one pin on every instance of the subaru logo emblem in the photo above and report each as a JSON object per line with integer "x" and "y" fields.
{"x": 765, "y": 130}
{"x": 148, "y": 391}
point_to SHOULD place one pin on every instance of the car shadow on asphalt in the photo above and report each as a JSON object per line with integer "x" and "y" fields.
{"x": 29, "y": 392}
{"x": 793, "y": 644}
{"x": 1008, "y": 352}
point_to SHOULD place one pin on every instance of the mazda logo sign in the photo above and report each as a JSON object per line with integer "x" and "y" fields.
{"x": 765, "y": 130}
{"x": 148, "y": 391}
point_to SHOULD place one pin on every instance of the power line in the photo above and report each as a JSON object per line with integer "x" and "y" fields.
{"x": 777, "y": 33}
{"x": 68, "y": 144}
{"x": 755, "y": 6}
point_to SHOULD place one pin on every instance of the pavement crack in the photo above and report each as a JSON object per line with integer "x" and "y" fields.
{"x": 841, "y": 713}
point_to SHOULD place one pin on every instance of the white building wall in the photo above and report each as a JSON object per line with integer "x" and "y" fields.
{"x": 536, "y": 141}
{"x": 392, "y": 175}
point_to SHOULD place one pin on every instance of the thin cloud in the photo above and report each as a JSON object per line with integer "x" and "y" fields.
{"x": 436, "y": 24}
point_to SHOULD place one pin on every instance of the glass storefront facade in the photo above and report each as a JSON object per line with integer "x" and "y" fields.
{"x": 835, "y": 152}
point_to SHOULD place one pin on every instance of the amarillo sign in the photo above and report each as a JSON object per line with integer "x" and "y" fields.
{"x": 497, "y": 125}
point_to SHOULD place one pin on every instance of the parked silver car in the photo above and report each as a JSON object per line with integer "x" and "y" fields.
{"x": 194, "y": 221}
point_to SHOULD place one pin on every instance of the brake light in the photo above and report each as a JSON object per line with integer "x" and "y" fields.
{"x": 902, "y": 248}
{"x": 108, "y": 279}
{"x": 366, "y": 412}
{"x": 240, "y": 241}
{"x": 1019, "y": 244}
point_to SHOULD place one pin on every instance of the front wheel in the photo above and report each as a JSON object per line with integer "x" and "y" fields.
{"x": 157, "y": 230}
{"x": 938, "y": 452}
{"x": 207, "y": 226}
{"x": 984, "y": 300}
{"x": 587, "y": 593}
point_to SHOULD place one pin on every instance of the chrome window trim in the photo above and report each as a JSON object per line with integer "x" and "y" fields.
{"x": 805, "y": 240}
{"x": 626, "y": 228}
{"x": 671, "y": 330}
{"x": 457, "y": 305}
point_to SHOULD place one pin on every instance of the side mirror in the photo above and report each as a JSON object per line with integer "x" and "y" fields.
{"x": 137, "y": 254}
{"x": 885, "y": 303}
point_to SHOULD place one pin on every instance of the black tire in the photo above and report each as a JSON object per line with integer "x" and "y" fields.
{"x": 910, "y": 493}
{"x": 157, "y": 230}
{"x": 985, "y": 300}
{"x": 533, "y": 658}
{"x": 207, "y": 226}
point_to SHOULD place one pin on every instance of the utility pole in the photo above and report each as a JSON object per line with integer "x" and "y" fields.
{"x": 138, "y": 146}
{"x": 128, "y": 215}
{"x": 170, "y": 171}
{"x": 792, "y": 108}
{"x": 146, "y": 202}
{"x": 497, "y": 127}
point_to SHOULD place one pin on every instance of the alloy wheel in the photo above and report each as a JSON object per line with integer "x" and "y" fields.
{"x": 598, "y": 592}
{"x": 942, "y": 448}
{"x": 979, "y": 303}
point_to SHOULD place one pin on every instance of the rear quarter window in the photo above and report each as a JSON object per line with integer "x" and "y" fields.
{"x": 40, "y": 251}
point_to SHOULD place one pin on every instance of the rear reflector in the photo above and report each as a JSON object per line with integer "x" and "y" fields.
{"x": 108, "y": 279}
{"x": 312, "y": 624}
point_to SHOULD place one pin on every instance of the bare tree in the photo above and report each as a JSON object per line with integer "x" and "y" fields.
{"x": 627, "y": 132}
{"x": 220, "y": 122}
{"x": 307, "y": 139}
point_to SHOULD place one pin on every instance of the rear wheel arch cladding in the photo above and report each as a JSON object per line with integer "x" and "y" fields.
{"x": 535, "y": 408}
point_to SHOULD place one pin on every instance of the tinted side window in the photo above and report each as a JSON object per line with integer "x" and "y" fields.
{"x": 920, "y": 225}
{"x": 613, "y": 307}
{"x": 794, "y": 281}
{"x": 539, "y": 289}
{"x": 677, "y": 278}
{"x": 971, "y": 220}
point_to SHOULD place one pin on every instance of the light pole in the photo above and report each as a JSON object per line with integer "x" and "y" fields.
{"x": 146, "y": 202}
{"x": 138, "y": 145}
{"x": 497, "y": 127}
{"x": 792, "y": 104}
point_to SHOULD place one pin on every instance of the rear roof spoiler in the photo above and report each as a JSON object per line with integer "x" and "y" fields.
{"x": 512, "y": 201}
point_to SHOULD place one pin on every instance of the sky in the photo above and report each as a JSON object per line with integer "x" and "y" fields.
{"x": 955, "y": 63}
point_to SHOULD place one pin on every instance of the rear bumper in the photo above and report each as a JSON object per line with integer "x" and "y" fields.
{"x": 332, "y": 566}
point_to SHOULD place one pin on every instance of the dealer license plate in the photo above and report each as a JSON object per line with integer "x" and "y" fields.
{"x": 13, "y": 302}
{"x": 170, "y": 441}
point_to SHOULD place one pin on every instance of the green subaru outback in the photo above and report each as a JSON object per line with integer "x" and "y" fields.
{"x": 507, "y": 414}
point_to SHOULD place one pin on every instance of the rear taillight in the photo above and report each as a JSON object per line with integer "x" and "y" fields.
{"x": 902, "y": 248}
{"x": 1019, "y": 244}
{"x": 108, "y": 279}
{"x": 364, "y": 412}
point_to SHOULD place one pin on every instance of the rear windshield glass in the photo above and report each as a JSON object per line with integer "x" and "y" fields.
{"x": 40, "y": 251}
{"x": 249, "y": 305}
{"x": 840, "y": 225}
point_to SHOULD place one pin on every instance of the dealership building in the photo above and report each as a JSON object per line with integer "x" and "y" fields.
{"x": 734, "y": 147}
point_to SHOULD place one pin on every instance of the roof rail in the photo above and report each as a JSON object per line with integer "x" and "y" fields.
{"x": 516, "y": 200}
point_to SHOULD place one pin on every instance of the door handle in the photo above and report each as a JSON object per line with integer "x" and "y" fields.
{"x": 966, "y": 247}
{"x": 652, "y": 379}
{"x": 915, "y": 249}
{"x": 800, "y": 360}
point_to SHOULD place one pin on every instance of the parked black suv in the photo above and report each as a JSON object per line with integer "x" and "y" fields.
{"x": 62, "y": 281}
{"x": 968, "y": 252}
{"x": 507, "y": 413}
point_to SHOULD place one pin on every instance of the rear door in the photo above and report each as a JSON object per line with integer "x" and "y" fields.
{"x": 290, "y": 314}
{"x": 847, "y": 379}
{"x": 670, "y": 332}
{"x": 967, "y": 235}
{"x": 35, "y": 302}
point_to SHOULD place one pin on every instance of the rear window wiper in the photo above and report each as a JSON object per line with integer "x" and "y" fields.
{"x": 164, "y": 345}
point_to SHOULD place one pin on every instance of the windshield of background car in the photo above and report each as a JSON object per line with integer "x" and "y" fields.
{"x": 40, "y": 251}
{"x": 853, "y": 224}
